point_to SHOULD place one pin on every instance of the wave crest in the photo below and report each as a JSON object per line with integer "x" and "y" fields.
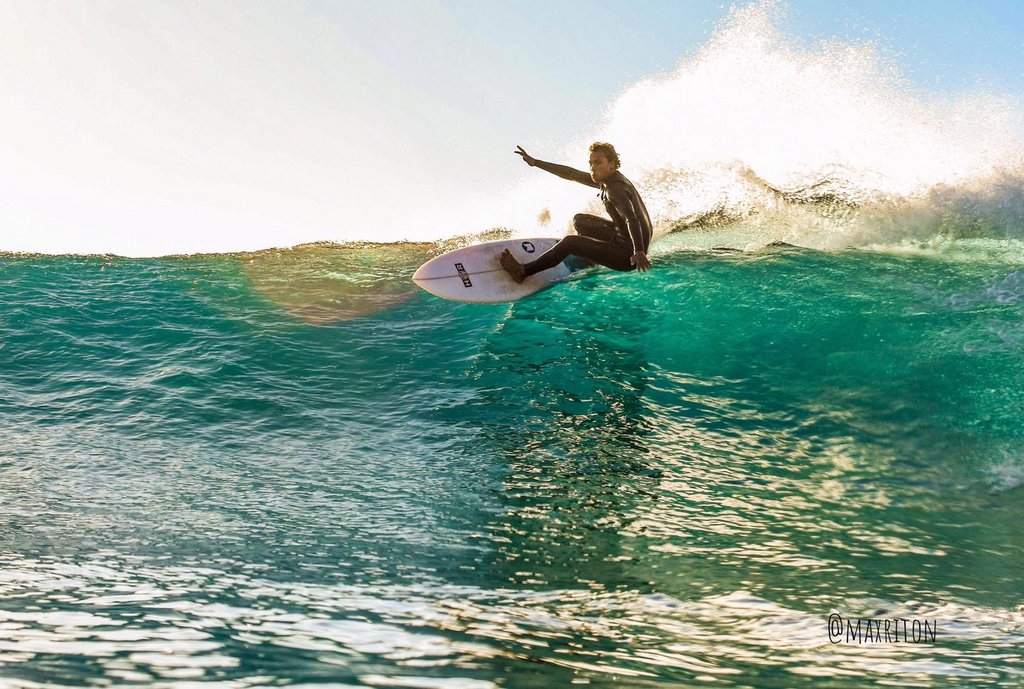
{"x": 825, "y": 146}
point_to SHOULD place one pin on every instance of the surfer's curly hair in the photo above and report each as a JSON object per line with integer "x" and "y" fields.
{"x": 607, "y": 150}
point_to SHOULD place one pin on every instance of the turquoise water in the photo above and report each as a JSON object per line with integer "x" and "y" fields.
{"x": 295, "y": 468}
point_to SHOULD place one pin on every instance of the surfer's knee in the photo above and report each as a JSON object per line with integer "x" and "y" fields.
{"x": 582, "y": 223}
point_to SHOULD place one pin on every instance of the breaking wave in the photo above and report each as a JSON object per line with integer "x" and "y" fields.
{"x": 825, "y": 146}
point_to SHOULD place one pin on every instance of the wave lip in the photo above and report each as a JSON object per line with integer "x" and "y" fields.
{"x": 825, "y": 146}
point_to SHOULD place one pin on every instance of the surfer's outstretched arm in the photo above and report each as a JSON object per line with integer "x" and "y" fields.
{"x": 563, "y": 171}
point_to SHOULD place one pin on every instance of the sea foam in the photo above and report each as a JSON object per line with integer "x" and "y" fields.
{"x": 825, "y": 145}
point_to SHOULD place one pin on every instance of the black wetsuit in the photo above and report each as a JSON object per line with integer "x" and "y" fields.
{"x": 608, "y": 242}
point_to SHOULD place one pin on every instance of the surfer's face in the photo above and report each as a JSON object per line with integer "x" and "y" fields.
{"x": 600, "y": 167}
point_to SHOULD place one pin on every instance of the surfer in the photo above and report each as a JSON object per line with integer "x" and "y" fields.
{"x": 620, "y": 243}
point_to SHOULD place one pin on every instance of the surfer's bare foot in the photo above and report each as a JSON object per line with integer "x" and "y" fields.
{"x": 514, "y": 267}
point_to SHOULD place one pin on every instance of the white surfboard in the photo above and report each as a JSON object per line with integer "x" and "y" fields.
{"x": 474, "y": 274}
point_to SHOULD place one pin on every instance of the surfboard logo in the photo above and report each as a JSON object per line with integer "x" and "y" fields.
{"x": 528, "y": 247}
{"x": 466, "y": 282}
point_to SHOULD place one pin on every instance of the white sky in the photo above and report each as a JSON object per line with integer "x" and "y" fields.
{"x": 149, "y": 127}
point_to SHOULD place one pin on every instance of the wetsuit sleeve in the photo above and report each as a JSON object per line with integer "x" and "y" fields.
{"x": 619, "y": 197}
{"x": 566, "y": 172}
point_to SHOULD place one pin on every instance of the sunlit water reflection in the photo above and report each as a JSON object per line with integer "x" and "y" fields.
{"x": 666, "y": 483}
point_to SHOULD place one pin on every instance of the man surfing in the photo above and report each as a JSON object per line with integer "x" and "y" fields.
{"x": 620, "y": 243}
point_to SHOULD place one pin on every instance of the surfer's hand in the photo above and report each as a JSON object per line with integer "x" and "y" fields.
{"x": 530, "y": 160}
{"x": 641, "y": 261}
